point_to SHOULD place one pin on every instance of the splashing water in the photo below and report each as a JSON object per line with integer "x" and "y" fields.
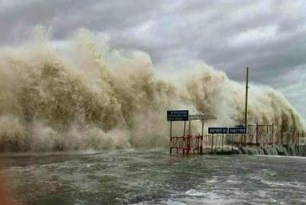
{"x": 87, "y": 96}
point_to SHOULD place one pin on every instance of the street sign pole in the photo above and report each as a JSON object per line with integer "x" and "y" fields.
{"x": 212, "y": 143}
{"x": 170, "y": 129}
{"x": 232, "y": 142}
{"x": 184, "y": 128}
{"x": 189, "y": 127}
{"x": 202, "y": 127}
{"x": 222, "y": 142}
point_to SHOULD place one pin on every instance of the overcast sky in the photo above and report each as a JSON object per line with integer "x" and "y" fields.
{"x": 269, "y": 36}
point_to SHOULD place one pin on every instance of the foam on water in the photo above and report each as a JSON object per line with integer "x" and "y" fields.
{"x": 138, "y": 177}
{"x": 193, "y": 192}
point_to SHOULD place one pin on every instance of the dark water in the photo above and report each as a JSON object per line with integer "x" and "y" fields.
{"x": 154, "y": 177}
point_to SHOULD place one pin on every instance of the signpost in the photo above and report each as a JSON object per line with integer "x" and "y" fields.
{"x": 177, "y": 115}
{"x": 239, "y": 129}
{"x": 217, "y": 130}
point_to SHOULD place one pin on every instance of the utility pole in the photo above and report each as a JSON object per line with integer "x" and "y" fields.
{"x": 246, "y": 104}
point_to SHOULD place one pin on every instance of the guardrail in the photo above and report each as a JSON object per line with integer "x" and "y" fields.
{"x": 218, "y": 142}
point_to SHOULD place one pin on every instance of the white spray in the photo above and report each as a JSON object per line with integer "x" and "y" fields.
{"x": 88, "y": 96}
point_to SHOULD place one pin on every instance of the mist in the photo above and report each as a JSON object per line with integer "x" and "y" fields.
{"x": 85, "y": 95}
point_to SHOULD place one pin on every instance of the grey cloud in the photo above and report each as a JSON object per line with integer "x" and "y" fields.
{"x": 66, "y": 16}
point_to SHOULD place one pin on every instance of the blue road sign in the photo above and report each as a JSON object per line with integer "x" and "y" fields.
{"x": 237, "y": 130}
{"x": 177, "y": 115}
{"x": 217, "y": 130}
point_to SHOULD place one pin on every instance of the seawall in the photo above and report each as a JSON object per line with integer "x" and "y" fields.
{"x": 287, "y": 150}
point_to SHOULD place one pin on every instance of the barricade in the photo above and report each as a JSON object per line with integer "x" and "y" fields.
{"x": 186, "y": 144}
